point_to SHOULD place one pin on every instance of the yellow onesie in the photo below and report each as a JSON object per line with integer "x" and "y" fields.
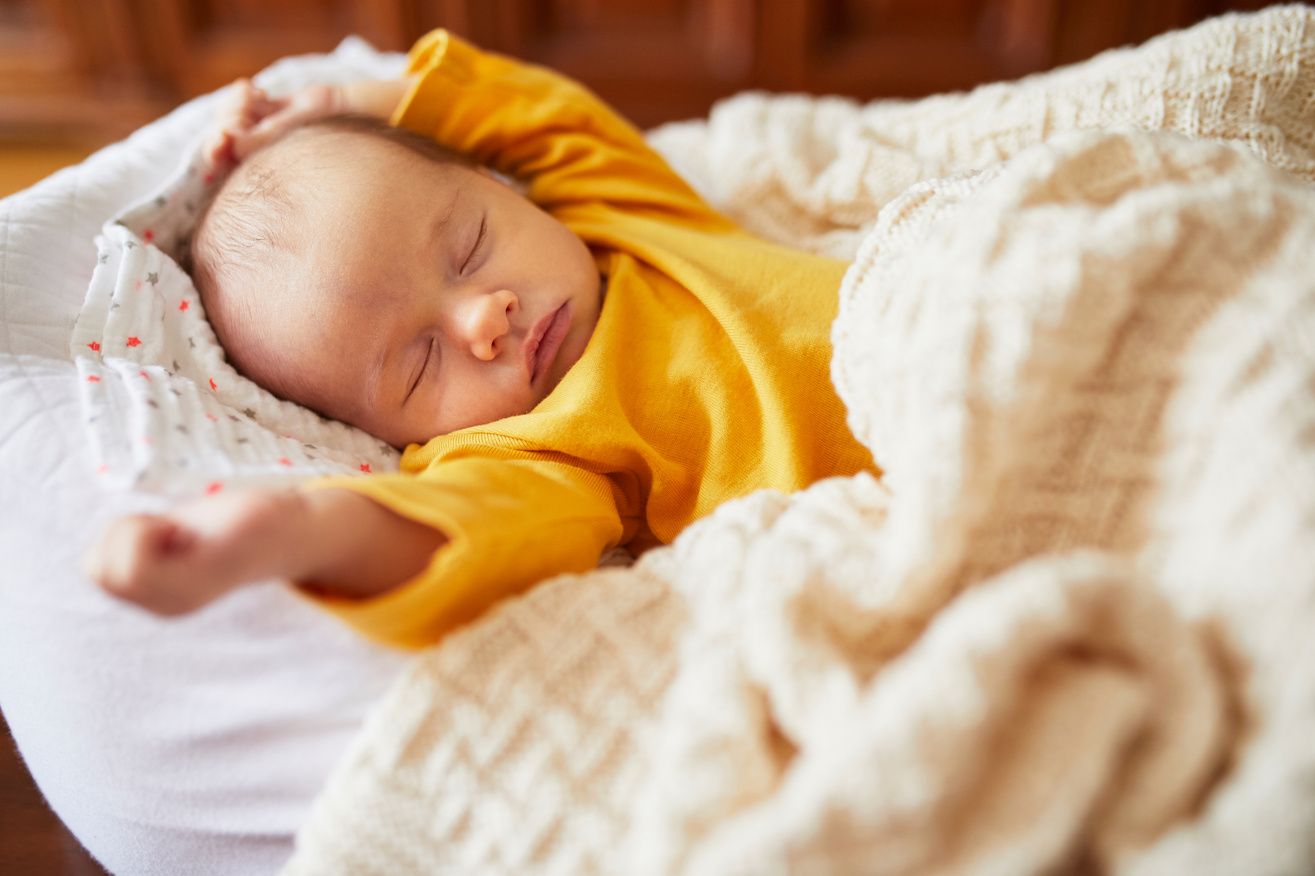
{"x": 707, "y": 376}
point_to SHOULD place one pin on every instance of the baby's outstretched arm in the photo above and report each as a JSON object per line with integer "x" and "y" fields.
{"x": 338, "y": 540}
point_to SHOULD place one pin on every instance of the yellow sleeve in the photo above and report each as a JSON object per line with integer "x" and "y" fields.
{"x": 510, "y": 524}
{"x": 535, "y": 124}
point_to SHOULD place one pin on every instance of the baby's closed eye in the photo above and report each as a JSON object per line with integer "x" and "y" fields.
{"x": 430, "y": 357}
{"x": 472, "y": 261}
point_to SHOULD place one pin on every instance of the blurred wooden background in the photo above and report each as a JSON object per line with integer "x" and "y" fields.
{"x": 90, "y": 71}
{"x": 77, "y": 74}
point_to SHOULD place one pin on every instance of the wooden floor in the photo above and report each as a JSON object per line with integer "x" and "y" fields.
{"x": 33, "y": 842}
{"x": 22, "y": 164}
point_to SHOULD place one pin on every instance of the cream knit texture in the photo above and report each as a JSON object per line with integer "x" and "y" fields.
{"x": 1068, "y": 632}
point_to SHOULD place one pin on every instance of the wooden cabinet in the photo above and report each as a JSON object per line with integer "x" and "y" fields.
{"x": 195, "y": 46}
{"x": 96, "y": 68}
{"x": 655, "y": 60}
{"x": 68, "y": 66}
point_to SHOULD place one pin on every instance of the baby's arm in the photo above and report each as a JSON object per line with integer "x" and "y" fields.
{"x": 338, "y": 540}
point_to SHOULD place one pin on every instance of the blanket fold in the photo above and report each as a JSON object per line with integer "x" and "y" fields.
{"x": 1069, "y": 629}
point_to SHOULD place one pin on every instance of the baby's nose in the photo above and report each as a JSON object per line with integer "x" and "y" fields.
{"x": 488, "y": 319}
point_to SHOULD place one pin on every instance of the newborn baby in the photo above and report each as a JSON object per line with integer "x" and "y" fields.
{"x": 597, "y": 362}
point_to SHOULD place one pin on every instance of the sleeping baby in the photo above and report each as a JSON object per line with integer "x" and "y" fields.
{"x": 597, "y": 361}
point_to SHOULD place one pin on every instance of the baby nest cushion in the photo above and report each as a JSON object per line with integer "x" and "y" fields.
{"x": 167, "y": 746}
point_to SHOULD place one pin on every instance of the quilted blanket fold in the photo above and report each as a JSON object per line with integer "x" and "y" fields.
{"x": 1069, "y": 631}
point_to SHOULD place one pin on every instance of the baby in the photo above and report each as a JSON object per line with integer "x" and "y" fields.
{"x": 597, "y": 362}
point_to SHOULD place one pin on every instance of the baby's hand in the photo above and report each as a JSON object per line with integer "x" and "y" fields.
{"x": 252, "y": 118}
{"x": 178, "y": 562}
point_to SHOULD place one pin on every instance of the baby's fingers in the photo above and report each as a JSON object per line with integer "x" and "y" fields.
{"x": 248, "y": 104}
{"x": 310, "y": 103}
{"x": 138, "y": 559}
{"x": 218, "y": 150}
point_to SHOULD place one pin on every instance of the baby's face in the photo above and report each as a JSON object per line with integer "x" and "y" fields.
{"x": 422, "y": 298}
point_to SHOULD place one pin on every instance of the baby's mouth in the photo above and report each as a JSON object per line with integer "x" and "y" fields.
{"x": 544, "y": 340}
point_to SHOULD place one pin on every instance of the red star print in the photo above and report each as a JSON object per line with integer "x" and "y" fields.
{"x": 182, "y": 305}
{"x": 283, "y": 460}
{"x": 213, "y": 487}
{"x": 93, "y": 379}
{"x": 144, "y": 374}
{"x": 212, "y": 418}
{"x": 95, "y": 347}
{"x": 102, "y": 468}
{"x": 147, "y": 439}
{"x": 213, "y": 388}
{"x": 365, "y": 467}
{"x": 134, "y": 341}
{"x": 148, "y": 235}
{"x": 209, "y": 177}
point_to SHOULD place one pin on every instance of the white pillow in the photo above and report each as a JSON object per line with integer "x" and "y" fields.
{"x": 167, "y": 746}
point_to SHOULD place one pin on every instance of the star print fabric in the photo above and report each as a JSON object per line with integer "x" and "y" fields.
{"x": 163, "y": 409}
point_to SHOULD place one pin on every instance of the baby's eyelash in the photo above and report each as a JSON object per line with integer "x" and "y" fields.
{"x": 479, "y": 242}
{"x": 424, "y": 366}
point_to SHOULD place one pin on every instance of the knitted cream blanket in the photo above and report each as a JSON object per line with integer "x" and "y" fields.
{"x": 1072, "y": 628}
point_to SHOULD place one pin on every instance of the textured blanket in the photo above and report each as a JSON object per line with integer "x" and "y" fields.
{"x": 1071, "y": 629}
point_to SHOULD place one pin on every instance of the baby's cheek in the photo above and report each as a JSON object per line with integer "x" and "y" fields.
{"x": 509, "y": 398}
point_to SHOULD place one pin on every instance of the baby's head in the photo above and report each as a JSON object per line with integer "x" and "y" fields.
{"x": 364, "y": 272}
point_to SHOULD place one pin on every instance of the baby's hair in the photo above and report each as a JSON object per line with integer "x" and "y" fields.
{"x": 236, "y": 227}
{"x": 251, "y": 218}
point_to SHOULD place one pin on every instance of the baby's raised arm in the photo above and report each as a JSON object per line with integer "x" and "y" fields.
{"x": 336, "y": 540}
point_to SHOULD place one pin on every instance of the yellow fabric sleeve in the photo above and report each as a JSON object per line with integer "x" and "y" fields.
{"x": 543, "y": 128}
{"x": 510, "y": 524}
